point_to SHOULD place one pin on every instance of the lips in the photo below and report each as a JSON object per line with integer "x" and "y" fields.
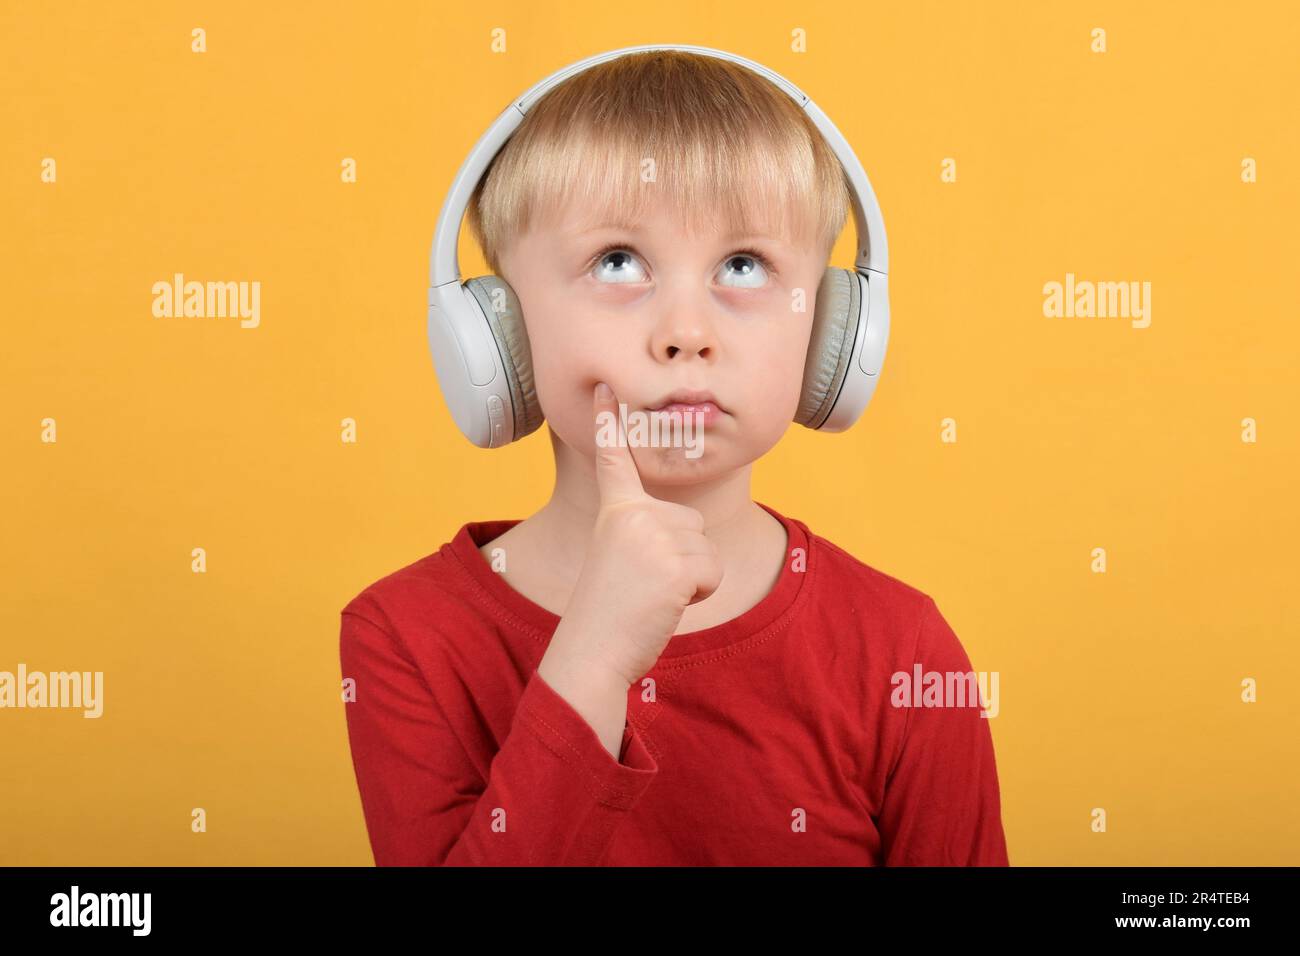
{"x": 684, "y": 399}
{"x": 697, "y": 407}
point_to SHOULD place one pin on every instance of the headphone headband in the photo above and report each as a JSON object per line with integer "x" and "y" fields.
{"x": 871, "y": 254}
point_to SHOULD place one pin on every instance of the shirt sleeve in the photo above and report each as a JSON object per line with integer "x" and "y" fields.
{"x": 553, "y": 794}
{"x": 942, "y": 805}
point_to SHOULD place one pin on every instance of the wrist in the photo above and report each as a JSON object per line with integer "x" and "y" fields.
{"x": 561, "y": 666}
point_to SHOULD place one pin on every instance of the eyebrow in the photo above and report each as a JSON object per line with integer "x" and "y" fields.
{"x": 625, "y": 225}
{"x": 632, "y": 227}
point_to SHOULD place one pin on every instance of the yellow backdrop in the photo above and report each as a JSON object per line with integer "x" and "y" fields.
{"x": 1011, "y": 146}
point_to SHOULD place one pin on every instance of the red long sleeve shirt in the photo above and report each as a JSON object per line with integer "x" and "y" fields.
{"x": 770, "y": 739}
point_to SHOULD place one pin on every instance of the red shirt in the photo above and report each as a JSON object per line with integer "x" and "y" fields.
{"x": 768, "y": 740}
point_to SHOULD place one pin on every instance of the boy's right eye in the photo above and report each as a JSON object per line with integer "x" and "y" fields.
{"x": 612, "y": 265}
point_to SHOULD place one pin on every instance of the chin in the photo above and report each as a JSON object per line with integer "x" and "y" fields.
{"x": 671, "y": 466}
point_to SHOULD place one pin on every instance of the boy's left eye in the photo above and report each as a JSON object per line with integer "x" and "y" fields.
{"x": 748, "y": 266}
{"x": 752, "y": 270}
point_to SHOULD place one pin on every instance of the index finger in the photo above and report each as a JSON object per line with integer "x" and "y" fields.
{"x": 616, "y": 475}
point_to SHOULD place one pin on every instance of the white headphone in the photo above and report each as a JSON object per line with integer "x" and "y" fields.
{"x": 481, "y": 353}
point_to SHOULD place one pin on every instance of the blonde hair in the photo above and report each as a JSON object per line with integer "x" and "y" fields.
{"x": 726, "y": 144}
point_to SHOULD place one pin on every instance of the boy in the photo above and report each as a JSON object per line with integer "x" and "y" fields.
{"x": 663, "y": 671}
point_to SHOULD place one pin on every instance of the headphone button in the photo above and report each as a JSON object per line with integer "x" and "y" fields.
{"x": 496, "y": 419}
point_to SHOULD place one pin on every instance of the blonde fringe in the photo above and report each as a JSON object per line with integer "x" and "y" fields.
{"x": 728, "y": 147}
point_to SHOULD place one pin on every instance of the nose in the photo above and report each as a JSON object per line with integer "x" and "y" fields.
{"x": 685, "y": 327}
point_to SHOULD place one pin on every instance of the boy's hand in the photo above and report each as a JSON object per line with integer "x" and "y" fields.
{"x": 646, "y": 562}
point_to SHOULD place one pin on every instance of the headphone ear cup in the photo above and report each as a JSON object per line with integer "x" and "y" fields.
{"x": 830, "y": 347}
{"x": 505, "y": 317}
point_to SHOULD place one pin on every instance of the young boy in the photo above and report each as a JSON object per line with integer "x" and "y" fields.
{"x": 654, "y": 669}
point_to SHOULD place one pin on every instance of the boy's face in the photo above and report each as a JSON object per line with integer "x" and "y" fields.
{"x": 665, "y": 310}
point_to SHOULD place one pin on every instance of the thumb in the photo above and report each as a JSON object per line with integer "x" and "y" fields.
{"x": 616, "y": 474}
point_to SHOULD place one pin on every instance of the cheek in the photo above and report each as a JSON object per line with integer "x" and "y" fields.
{"x": 568, "y": 358}
{"x": 776, "y": 392}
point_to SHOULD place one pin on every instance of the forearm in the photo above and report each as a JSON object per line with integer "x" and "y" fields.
{"x": 595, "y": 692}
{"x": 550, "y": 794}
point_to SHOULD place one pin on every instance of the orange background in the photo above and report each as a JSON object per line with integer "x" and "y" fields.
{"x": 1118, "y": 690}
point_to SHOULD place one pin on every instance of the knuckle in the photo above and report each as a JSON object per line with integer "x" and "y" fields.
{"x": 619, "y": 512}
